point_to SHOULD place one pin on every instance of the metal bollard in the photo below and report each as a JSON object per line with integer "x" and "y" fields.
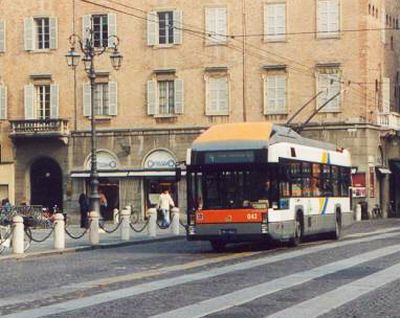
{"x": 18, "y": 235}
{"x": 175, "y": 221}
{"x": 59, "y": 231}
{"x": 152, "y": 227}
{"x": 94, "y": 228}
{"x": 358, "y": 212}
{"x": 115, "y": 216}
{"x": 125, "y": 231}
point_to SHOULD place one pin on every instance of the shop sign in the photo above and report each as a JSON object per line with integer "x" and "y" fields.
{"x": 160, "y": 160}
{"x": 105, "y": 161}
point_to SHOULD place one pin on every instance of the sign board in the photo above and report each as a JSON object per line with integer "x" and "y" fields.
{"x": 105, "y": 161}
{"x": 160, "y": 159}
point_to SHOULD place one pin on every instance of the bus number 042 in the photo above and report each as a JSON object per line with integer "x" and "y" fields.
{"x": 252, "y": 216}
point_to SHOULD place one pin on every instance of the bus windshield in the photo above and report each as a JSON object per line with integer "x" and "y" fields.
{"x": 232, "y": 188}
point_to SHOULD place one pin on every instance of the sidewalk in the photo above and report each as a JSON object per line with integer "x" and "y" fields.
{"x": 106, "y": 240}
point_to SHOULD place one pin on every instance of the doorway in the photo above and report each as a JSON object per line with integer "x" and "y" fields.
{"x": 154, "y": 187}
{"x": 46, "y": 183}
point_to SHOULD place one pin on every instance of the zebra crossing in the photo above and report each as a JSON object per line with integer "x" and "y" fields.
{"x": 313, "y": 307}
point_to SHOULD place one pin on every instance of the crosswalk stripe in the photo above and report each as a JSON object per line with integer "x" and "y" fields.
{"x": 248, "y": 294}
{"x": 183, "y": 279}
{"x": 323, "y": 304}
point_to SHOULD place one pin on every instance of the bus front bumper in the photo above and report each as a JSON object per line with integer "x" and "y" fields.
{"x": 240, "y": 232}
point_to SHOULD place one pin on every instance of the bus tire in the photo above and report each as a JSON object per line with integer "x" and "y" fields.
{"x": 298, "y": 231}
{"x": 217, "y": 245}
{"x": 335, "y": 235}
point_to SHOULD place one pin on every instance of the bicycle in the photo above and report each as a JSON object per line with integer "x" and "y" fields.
{"x": 134, "y": 215}
{"x": 6, "y": 236}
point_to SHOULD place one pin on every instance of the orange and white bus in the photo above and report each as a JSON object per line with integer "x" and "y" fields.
{"x": 260, "y": 181}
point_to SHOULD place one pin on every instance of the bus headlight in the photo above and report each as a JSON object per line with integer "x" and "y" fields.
{"x": 191, "y": 230}
{"x": 264, "y": 228}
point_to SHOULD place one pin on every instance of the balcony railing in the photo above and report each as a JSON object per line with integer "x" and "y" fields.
{"x": 390, "y": 120}
{"x": 39, "y": 128}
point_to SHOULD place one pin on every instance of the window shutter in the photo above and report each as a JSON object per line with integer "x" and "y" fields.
{"x": 270, "y": 92}
{"x": 3, "y": 102}
{"x": 383, "y": 32}
{"x": 211, "y": 96}
{"x": 2, "y": 36}
{"x": 152, "y": 28}
{"x": 223, "y": 96}
{"x": 54, "y": 101}
{"x": 179, "y": 96}
{"x": 53, "y": 33}
{"x": 29, "y": 96}
{"x": 87, "y": 99}
{"x": 330, "y": 85}
{"x": 281, "y": 84}
{"x": 334, "y": 16}
{"x": 275, "y": 17}
{"x": 28, "y": 34}
{"x": 152, "y": 97}
{"x": 177, "y": 27}
{"x": 113, "y": 98}
{"x": 86, "y": 25}
{"x": 386, "y": 95}
{"x": 221, "y": 24}
{"x": 112, "y": 28}
{"x": 211, "y": 23}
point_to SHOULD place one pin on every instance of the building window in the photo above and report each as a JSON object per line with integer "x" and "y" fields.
{"x": 40, "y": 33}
{"x": 104, "y": 28}
{"x": 101, "y": 99}
{"x": 217, "y": 96}
{"x": 275, "y": 101}
{"x": 165, "y": 97}
{"x": 275, "y": 22}
{"x": 43, "y": 33}
{"x": 41, "y": 101}
{"x": 100, "y": 30}
{"x": 105, "y": 99}
{"x": 329, "y": 83}
{"x": 328, "y": 18}
{"x": 164, "y": 28}
{"x": 216, "y": 25}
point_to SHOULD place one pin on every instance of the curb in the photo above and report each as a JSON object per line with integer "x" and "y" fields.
{"x": 84, "y": 248}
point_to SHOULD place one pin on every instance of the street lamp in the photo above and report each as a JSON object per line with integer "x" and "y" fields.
{"x": 90, "y": 51}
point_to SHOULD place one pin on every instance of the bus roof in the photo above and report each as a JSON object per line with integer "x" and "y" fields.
{"x": 251, "y": 135}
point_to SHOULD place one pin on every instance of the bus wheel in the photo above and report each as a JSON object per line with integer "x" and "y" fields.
{"x": 338, "y": 226}
{"x": 217, "y": 246}
{"x": 298, "y": 232}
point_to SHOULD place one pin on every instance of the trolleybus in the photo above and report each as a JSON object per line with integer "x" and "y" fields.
{"x": 260, "y": 181}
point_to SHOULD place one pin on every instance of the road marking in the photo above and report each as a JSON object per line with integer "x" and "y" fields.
{"x": 85, "y": 302}
{"x": 323, "y": 304}
{"x": 248, "y": 294}
{"x": 363, "y": 234}
{"x": 7, "y": 301}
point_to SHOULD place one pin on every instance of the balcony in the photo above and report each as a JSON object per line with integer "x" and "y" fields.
{"x": 389, "y": 120}
{"x": 40, "y": 128}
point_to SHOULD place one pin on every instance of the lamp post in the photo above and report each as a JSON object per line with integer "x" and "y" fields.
{"x": 90, "y": 51}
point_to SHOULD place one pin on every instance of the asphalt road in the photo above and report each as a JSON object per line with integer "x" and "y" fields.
{"x": 357, "y": 276}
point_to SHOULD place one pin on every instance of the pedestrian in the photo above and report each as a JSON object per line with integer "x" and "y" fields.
{"x": 164, "y": 204}
{"x": 84, "y": 208}
{"x": 103, "y": 205}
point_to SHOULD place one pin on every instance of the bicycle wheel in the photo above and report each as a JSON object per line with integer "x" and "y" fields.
{"x": 134, "y": 216}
